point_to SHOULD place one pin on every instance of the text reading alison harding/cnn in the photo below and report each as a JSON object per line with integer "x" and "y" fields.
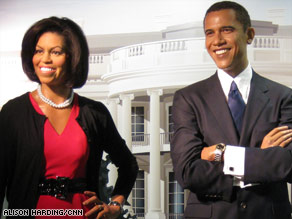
{"x": 42, "y": 212}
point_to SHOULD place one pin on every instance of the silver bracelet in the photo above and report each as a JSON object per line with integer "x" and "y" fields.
{"x": 218, "y": 155}
{"x": 115, "y": 203}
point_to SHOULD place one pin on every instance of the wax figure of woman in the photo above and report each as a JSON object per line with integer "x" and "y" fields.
{"x": 52, "y": 139}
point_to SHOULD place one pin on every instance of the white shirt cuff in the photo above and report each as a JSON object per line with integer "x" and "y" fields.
{"x": 240, "y": 183}
{"x": 234, "y": 158}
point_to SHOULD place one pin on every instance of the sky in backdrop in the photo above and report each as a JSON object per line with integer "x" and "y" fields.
{"x": 122, "y": 16}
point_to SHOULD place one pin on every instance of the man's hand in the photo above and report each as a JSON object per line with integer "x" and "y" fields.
{"x": 280, "y": 136}
{"x": 208, "y": 153}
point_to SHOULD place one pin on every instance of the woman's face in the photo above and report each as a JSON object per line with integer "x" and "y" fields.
{"x": 49, "y": 59}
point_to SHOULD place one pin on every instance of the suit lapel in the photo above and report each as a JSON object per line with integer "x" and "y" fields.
{"x": 219, "y": 107}
{"x": 256, "y": 103}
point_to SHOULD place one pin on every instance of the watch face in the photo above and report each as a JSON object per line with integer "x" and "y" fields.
{"x": 220, "y": 146}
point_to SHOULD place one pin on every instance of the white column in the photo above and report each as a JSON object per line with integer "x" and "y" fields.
{"x": 126, "y": 120}
{"x": 113, "y": 108}
{"x": 126, "y": 131}
{"x": 154, "y": 199}
{"x": 112, "y": 104}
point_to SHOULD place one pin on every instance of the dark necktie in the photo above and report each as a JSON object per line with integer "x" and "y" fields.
{"x": 236, "y": 106}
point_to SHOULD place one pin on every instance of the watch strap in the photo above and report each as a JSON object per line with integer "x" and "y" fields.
{"x": 115, "y": 203}
{"x": 218, "y": 155}
{"x": 220, "y": 148}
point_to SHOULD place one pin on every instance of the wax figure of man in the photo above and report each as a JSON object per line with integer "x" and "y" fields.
{"x": 246, "y": 175}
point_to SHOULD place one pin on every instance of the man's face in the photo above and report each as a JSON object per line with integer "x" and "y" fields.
{"x": 226, "y": 41}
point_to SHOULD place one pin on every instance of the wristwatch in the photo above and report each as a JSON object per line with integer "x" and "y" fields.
{"x": 115, "y": 203}
{"x": 220, "y": 148}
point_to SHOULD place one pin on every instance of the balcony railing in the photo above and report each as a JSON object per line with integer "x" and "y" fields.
{"x": 191, "y": 51}
{"x": 165, "y": 138}
{"x": 98, "y": 65}
{"x": 96, "y": 58}
{"x": 170, "y": 46}
{"x": 141, "y": 140}
{"x": 174, "y": 216}
{"x": 168, "y": 216}
{"x": 185, "y": 51}
{"x": 266, "y": 42}
{"x": 140, "y": 215}
{"x": 144, "y": 140}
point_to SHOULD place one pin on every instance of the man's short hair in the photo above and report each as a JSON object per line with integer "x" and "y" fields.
{"x": 241, "y": 13}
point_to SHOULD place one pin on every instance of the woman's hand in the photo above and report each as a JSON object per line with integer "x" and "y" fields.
{"x": 280, "y": 136}
{"x": 111, "y": 212}
{"x": 100, "y": 210}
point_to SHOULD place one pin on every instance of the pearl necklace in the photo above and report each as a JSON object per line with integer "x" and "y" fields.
{"x": 65, "y": 104}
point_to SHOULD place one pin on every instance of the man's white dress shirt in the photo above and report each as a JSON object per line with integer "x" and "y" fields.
{"x": 234, "y": 156}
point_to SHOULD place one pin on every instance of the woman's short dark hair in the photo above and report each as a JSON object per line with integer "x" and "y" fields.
{"x": 241, "y": 13}
{"x": 75, "y": 47}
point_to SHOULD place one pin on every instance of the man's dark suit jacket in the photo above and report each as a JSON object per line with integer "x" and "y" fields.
{"x": 202, "y": 118}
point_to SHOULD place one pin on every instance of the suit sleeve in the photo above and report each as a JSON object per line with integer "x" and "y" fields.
{"x": 121, "y": 156}
{"x": 272, "y": 164}
{"x": 202, "y": 177}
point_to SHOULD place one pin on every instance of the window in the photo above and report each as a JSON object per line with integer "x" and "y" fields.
{"x": 175, "y": 198}
{"x": 170, "y": 123}
{"x": 138, "y": 196}
{"x": 138, "y": 123}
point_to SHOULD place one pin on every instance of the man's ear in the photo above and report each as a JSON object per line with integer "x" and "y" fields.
{"x": 250, "y": 34}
